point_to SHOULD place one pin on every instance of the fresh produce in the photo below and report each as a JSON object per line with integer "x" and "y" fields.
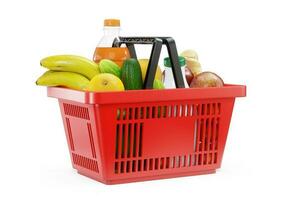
{"x": 66, "y": 79}
{"x": 108, "y": 66}
{"x": 189, "y": 53}
{"x": 131, "y": 75}
{"x": 105, "y": 82}
{"x": 158, "y": 84}
{"x": 189, "y": 75}
{"x": 192, "y": 61}
{"x": 194, "y": 66}
{"x": 144, "y": 65}
{"x": 207, "y": 79}
{"x": 71, "y": 63}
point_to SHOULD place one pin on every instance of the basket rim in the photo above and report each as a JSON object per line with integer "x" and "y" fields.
{"x": 139, "y": 96}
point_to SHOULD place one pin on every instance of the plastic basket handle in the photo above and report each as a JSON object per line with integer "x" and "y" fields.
{"x": 157, "y": 43}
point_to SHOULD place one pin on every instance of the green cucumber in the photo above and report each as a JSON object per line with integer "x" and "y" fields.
{"x": 131, "y": 75}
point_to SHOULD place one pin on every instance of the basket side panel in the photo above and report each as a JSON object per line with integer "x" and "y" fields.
{"x": 81, "y": 134}
{"x": 162, "y": 138}
{"x": 223, "y": 124}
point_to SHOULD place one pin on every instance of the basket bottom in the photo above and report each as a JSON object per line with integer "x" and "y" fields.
{"x": 148, "y": 178}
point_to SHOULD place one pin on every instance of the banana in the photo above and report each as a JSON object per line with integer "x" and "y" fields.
{"x": 71, "y": 63}
{"x": 66, "y": 79}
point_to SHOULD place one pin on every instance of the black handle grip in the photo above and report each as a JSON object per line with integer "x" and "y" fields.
{"x": 154, "y": 57}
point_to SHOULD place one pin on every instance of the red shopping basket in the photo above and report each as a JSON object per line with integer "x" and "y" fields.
{"x": 120, "y": 137}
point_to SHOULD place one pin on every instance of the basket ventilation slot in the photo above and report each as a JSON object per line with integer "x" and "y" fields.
{"x": 162, "y": 163}
{"x": 168, "y": 111}
{"x": 70, "y": 138}
{"x": 209, "y": 109}
{"x": 76, "y": 111}
{"x": 91, "y": 140}
{"x": 85, "y": 162}
{"x": 206, "y": 140}
{"x": 128, "y": 140}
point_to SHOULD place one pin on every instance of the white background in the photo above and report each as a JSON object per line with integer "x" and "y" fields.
{"x": 242, "y": 41}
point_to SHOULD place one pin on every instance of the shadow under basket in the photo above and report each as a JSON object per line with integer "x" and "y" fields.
{"x": 121, "y": 137}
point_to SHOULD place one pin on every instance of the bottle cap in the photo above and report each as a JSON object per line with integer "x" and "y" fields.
{"x": 182, "y": 61}
{"x": 111, "y": 22}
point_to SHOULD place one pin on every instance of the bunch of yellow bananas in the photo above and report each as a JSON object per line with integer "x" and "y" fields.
{"x": 68, "y": 70}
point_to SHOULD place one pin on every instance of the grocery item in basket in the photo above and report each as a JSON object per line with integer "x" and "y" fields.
{"x": 65, "y": 79}
{"x": 105, "y": 82}
{"x": 189, "y": 75}
{"x": 144, "y": 65}
{"x": 108, "y": 66}
{"x": 194, "y": 65}
{"x": 158, "y": 84}
{"x": 131, "y": 75}
{"x": 168, "y": 77}
{"x": 71, "y": 63}
{"x": 116, "y": 54}
{"x": 104, "y": 49}
{"x": 192, "y": 61}
{"x": 190, "y": 53}
{"x": 207, "y": 79}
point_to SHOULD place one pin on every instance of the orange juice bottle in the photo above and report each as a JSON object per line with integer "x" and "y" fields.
{"x": 104, "y": 48}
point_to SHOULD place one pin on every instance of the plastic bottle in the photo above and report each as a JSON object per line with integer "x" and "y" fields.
{"x": 104, "y": 48}
{"x": 169, "y": 81}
